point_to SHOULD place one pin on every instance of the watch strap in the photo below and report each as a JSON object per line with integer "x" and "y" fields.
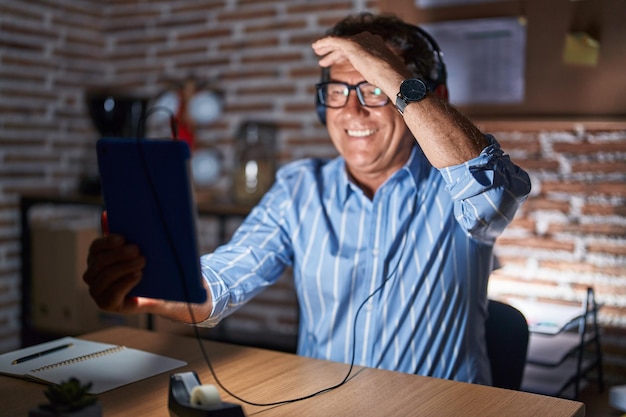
{"x": 401, "y": 103}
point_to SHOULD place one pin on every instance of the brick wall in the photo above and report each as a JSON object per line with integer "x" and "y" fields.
{"x": 49, "y": 51}
{"x": 571, "y": 232}
{"x": 569, "y": 235}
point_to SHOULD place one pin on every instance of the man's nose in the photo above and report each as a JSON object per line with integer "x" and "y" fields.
{"x": 353, "y": 104}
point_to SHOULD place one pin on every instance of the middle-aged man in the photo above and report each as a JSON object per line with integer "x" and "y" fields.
{"x": 390, "y": 243}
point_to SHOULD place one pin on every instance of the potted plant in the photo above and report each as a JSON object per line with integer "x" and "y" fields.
{"x": 68, "y": 399}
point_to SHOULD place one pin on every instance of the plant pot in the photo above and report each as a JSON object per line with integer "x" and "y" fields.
{"x": 94, "y": 410}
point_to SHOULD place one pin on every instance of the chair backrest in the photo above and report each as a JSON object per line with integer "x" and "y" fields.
{"x": 507, "y": 344}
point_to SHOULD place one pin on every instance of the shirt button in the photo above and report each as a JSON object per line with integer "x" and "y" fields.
{"x": 375, "y": 251}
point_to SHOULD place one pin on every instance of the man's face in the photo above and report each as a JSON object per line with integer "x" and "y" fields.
{"x": 372, "y": 140}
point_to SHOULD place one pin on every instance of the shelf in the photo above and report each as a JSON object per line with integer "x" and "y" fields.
{"x": 30, "y": 335}
{"x": 547, "y": 318}
{"x": 555, "y": 381}
{"x": 563, "y": 347}
{"x": 550, "y": 350}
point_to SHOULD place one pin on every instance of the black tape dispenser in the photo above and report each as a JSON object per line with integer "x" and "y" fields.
{"x": 188, "y": 398}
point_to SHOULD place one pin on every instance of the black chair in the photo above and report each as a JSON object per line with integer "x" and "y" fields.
{"x": 507, "y": 344}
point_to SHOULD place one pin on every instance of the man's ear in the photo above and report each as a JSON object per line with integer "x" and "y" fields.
{"x": 441, "y": 91}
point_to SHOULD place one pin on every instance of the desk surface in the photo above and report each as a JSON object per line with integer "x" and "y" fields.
{"x": 267, "y": 376}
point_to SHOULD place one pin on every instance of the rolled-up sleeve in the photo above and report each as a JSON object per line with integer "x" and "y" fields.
{"x": 254, "y": 259}
{"x": 487, "y": 191}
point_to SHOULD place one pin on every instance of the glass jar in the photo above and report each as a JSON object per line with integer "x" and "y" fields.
{"x": 255, "y": 164}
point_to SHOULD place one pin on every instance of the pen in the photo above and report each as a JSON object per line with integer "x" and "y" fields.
{"x": 44, "y": 352}
{"x": 104, "y": 223}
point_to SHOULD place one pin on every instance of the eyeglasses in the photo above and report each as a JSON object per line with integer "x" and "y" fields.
{"x": 334, "y": 94}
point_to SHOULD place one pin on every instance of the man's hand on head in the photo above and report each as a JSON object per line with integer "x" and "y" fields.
{"x": 369, "y": 55}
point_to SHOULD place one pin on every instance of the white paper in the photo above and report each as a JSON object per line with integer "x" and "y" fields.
{"x": 485, "y": 59}
{"x": 546, "y": 318}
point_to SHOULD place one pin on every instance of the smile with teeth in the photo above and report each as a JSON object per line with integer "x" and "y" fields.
{"x": 361, "y": 133}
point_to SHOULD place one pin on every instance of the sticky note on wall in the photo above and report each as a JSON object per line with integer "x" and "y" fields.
{"x": 581, "y": 49}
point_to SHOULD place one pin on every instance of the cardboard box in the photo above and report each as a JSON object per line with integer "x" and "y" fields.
{"x": 60, "y": 299}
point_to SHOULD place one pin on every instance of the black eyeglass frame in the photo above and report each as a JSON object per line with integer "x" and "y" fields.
{"x": 356, "y": 87}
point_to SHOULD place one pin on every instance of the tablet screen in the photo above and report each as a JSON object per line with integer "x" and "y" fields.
{"x": 148, "y": 195}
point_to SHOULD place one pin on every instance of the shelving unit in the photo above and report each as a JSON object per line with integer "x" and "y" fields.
{"x": 564, "y": 347}
{"x": 30, "y": 335}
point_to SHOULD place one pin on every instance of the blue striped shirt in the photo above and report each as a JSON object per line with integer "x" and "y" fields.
{"x": 418, "y": 255}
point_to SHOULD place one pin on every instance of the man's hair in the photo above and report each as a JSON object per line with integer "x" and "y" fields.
{"x": 414, "y": 48}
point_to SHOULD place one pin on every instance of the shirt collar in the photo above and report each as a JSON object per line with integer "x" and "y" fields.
{"x": 416, "y": 167}
{"x": 346, "y": 186}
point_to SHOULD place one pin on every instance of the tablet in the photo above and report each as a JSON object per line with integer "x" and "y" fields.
{"x": 148, "y": 196}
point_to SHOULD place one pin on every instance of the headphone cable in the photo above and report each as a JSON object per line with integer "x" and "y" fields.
{"x": 180, "y": 268}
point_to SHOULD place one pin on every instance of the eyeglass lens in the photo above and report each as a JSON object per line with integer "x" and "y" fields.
{"x": 335, "y": 94}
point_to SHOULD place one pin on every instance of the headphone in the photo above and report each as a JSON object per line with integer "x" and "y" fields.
{"x": 437, "y": 76}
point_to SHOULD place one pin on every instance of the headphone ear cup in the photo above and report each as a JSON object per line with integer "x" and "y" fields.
{"x": 321, "y": 110}
{"x": 439, "y": 74}
{"x": 319, "y": 107}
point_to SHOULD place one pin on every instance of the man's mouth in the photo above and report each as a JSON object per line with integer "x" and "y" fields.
{"x": 360, "y": 133}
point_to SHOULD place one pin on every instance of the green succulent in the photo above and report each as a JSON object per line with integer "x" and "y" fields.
{"x": 69, "y": 396}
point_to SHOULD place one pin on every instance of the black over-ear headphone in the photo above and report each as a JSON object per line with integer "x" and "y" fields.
{"x": 437, "y": 76}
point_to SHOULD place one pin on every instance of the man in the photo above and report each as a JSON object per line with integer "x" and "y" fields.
{"x": 390, "y": 243}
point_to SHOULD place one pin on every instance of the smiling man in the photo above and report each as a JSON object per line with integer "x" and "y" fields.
{"x": 390, "y": 242}
{"x": 371, "y": 136}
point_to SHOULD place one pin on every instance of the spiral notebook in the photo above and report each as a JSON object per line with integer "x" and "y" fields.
{"x": 106, "y": 366}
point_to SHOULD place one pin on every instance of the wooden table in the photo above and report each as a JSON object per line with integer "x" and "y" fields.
{"x": 267, "y": 376}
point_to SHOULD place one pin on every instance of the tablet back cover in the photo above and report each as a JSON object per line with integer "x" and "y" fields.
{"x": 148, "y": 195}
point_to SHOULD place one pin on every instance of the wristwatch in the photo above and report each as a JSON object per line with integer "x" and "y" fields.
{"x": 411, "y": 91}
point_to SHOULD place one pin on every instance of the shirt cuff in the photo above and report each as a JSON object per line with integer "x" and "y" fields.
{"x": 474, "y": 176}
{"x": 219, "y": 296}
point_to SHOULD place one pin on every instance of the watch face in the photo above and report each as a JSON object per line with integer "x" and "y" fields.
{"x": 413, "y": 89}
